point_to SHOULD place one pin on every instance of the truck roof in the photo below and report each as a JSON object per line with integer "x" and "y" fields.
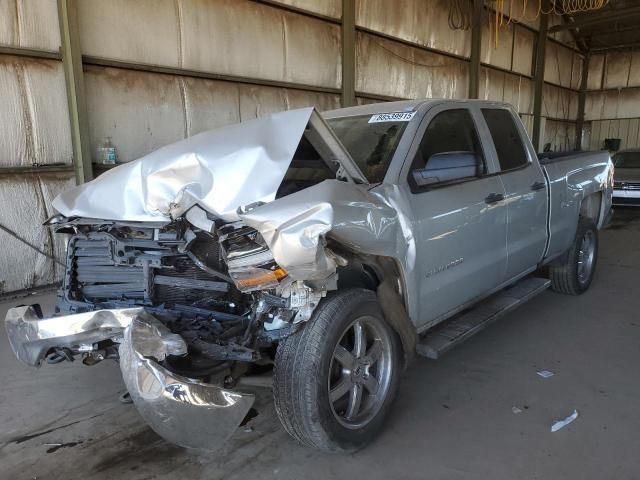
{"x": 401, "y": 106}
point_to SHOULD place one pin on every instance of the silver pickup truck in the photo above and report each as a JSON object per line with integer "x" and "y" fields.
{"x": 319, "y": 251}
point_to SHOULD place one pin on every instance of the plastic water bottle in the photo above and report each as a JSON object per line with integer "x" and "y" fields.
{"x": 107, "y": 152}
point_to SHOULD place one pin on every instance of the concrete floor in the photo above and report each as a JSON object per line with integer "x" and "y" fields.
{"x": 453, "y": 418}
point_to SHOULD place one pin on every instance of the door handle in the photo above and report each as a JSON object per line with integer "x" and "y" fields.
{"x": 538, "y": 186}
{"x": 494, "y": 197}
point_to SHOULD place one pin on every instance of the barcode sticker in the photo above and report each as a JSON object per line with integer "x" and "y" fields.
{"x": 392, "y": 117}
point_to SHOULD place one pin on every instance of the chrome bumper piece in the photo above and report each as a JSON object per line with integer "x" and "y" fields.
{"x": 184, "y": 411}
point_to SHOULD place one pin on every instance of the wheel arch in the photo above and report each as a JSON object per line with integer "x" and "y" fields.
{"x": 591, "y": 207}
{"x": 383, "y": 276}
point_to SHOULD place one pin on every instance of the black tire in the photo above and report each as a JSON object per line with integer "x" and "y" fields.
{"x": 305, "y": 365}
{"x": 567, "y": 277}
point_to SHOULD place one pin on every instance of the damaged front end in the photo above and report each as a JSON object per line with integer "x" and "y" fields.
{"x": 187, "y": 313}
{"x": 190, "y": 264}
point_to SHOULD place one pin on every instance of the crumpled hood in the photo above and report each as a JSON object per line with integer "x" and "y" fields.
{"x": 220, "y": 170}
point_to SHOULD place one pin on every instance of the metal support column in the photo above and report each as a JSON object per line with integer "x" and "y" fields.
{"x": 582, "y": 98}
{"x": 348, "y": 97}
{"x": 476, "y": 43}
{"x": 74, "y": 80}
{"x": 541, "y": 44}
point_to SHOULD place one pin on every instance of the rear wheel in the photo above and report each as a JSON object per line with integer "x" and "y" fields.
{"x": 335, "y": 380}
{"x": 574, "y": 275}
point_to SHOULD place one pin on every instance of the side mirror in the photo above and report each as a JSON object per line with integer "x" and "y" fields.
{"x": 447, "y": 166}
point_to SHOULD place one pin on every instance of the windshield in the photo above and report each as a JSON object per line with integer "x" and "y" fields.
{"x": 627, "y": 160}
{"x": 371, "y": 145}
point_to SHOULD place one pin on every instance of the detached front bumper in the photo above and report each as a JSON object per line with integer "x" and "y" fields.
{"x": 184, "y": 411}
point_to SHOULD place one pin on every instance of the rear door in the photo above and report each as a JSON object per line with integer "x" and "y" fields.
{"x": 459, "y": 225}
{"x": 525, "y": 186}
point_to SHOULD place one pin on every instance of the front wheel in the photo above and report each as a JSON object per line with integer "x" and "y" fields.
{"x": 335, "y": 380}
{"x": 574, "y": 275}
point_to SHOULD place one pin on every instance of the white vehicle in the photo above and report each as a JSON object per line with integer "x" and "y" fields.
{"x": 626, "y": 180}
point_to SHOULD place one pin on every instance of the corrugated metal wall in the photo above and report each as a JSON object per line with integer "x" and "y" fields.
{"x": 613, "y": 100}
{"x": 157, "y": 71}
{"x": 34, "y": 130}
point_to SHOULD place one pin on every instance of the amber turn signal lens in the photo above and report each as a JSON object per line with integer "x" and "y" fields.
{"x": 265, "y": 278}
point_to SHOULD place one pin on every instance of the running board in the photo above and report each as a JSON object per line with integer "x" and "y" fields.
{"x": 442, "y": 338}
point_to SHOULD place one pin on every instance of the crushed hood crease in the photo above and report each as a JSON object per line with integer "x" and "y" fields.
{"x": 220, "y": 170}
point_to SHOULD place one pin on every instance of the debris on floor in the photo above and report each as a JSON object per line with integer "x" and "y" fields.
{"x": 545, "y": 373}
{"x": 558, "y": 424}
{"x": 516, "y": 410}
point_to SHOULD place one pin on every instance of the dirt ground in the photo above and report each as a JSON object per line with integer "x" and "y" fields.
{"x": 453, "y": 418}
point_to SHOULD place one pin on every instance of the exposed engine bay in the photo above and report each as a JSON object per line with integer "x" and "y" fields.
{"x": 221, "y": 291}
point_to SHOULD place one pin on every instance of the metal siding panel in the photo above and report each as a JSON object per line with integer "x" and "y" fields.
{"x": 365, "y": 101}
{"x": 312, "y": 51}
{"x": 389, "y": 68}
{"x": 634, "y": 126}
{"x": 329, "y": 8}
{"x": 617, "y": 73}
{"x": 322, "y": 101}
{"x": 573, "y": 104}
{"x": 139, "y": 111}
{"x": 51, "y": 185}
{"x": 144, "y": 31}
{"x": 24, "y": 267}
{"x": 549, "y": 133}
{"x": 272, "y": 44}
{"x": 576, "y": 71}
{"x": 15, "y": 148}
{"x": 417, "y": 21}
{"x": 210, "y": 104}
{"x": 594, "y": 105}
{"x": 563, "y": 36}
{"x": 498, "y": 52}
{"x": 596, "y": 64}
{"x": 258, "y": 101}
{"x": 628, "y": 103}
{"x": 614, "y": 129}
{"x": 558, "y": 62}
{"x": 527, "y": 14}
{"x": 8, "y": 23}
{"x": 504, "y": 87}
{"x": 624, "y": 133}
{"x": 561, "y": 135}
{"x": 50, "y": 112}
{"x": 492, "y": 84}
{"x": 634, "y": 73}
{"x": 611, "y": 104}
{"x": 550, "y": 101}
{"x": 30, "y": 24}
{"x": 551, "y": 65}
{"x": 604, "y": 130}
{"x": 34, "y": 119}
{"x": 595, "y": 135}
{"x": 523, "y": 51}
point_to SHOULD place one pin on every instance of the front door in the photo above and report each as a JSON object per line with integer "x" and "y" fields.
{"x": 459, "y": 215}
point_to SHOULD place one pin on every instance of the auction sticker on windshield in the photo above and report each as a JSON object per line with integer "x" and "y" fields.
{"x": 392, "y": 117}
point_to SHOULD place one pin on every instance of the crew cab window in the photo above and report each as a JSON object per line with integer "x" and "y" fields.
{"x": 506, "y": 138}
{"x": 450, "y": 151}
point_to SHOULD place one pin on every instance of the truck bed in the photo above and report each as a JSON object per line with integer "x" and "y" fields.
{"x": 573, "y": 176}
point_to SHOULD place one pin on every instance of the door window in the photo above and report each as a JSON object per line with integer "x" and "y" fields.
{"x": 450, "y": 151}
{"x": 506, "y": 138}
